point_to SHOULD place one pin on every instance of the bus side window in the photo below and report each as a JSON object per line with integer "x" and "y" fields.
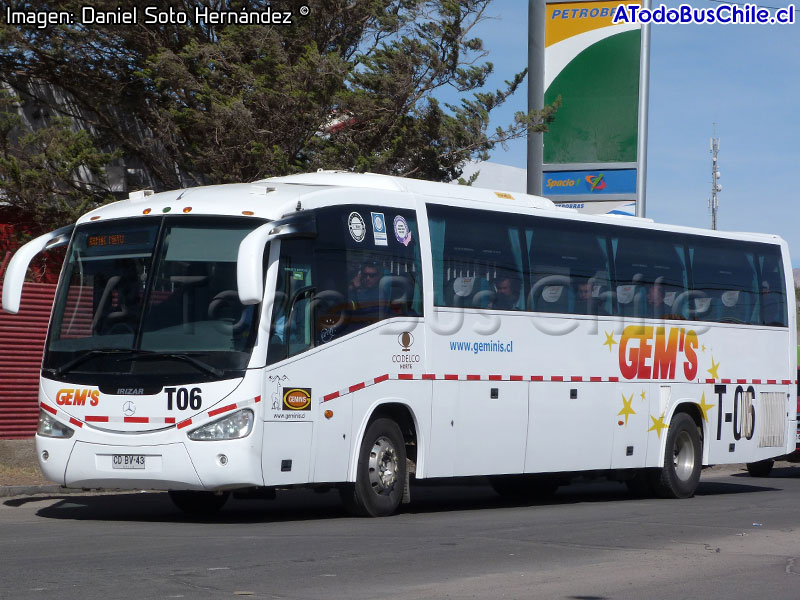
{"x": 477, "y": 259}
{"x": 772, "y": 297}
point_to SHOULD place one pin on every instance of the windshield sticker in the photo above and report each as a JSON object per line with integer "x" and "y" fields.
{"x": 296, "y": 399}
{"x": 355, "y": 222}
{"x": 379, "y": 229}
{"x": 402, "y": 232}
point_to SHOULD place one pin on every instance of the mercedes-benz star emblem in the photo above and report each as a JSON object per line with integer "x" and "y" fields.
{"x": 129, "y": 408}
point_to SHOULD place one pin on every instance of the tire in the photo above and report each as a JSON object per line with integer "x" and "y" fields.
{"x": 682, "y": 460}
{"x": 762, "y": 468}
{"x": 198, "y": 504}
{"x": 380, "y": 473}
{"x": 534, "y": 487}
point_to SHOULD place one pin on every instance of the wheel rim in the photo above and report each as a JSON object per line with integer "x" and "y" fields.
{"x": 684, "y": 456}
{"x": 383, "y": 466}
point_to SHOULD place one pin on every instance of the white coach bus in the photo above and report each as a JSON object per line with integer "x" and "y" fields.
{"x": 347, "y": 330}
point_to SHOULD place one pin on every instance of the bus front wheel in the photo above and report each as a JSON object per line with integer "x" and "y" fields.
{"x": 198, "y": 504}
{"x": 380, "y": 474}
{"x": 683, "y": 460}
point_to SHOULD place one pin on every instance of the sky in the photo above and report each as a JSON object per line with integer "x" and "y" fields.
{"x": 744, "y": 78}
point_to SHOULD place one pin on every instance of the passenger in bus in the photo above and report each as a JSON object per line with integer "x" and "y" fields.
{"x": 367, "y": 290}
{"x": 507, "y": 290}
{"x": 588, "y": 299}
{"x": 660, "y": 302}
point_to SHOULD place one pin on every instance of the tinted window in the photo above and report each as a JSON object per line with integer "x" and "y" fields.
{"x": 651, "y": 276}
{"x": 569, "y": 267}
{"x": 363, "y": 267}
{"x": 477, "y": 258}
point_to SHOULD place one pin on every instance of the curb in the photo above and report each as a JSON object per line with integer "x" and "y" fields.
{"x": 33, "y": 490}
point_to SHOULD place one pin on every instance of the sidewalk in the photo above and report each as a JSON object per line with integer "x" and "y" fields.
{"x": 20, "y": 474}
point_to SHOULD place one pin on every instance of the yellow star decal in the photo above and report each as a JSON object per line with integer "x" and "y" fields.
{"x": 643, "y": 395}
{"x": 705, "y": 407}
{"x": 627, "y": 409}
{"x": 610, "y": 341}
{"x": 713, "y": 369}
{"x": 703, "y": 347}
{"x": 658, "y": 424}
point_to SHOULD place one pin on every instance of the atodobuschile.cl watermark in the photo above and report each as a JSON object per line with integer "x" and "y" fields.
{"x": 727, "y": 14}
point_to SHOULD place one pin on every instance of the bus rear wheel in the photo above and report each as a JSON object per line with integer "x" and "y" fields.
{"x": 683, "y": 460}
{"x": 380, "y": 473}
{"x": 198, "y": 504}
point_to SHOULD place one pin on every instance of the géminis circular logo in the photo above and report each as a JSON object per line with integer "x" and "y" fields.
{"x": 356, "y": 225}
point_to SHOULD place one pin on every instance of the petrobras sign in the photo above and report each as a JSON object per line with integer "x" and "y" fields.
{"x": 597, "y": 182}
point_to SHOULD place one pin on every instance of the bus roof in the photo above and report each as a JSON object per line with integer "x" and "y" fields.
{"x": 274, "y": 197}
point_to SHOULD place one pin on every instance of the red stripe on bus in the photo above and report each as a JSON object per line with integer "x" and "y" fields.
{"x": 330, "y": 396}
{"x": 515, "y": 377}
{"x": 772, "y": 381}
{"x": 576, "y": 378}
{"x": 428, "y": 376}
{"x": 258, "y": 399}
{"x": 473, "y": 377}
{"x": 383, "y": 377}
{"x": 495, "y": 378}
{"x": 451, "y": 377}
{"x": 741, "y": 381}
{"x": 787, "y": 382}
{"x": 136, "y": 420}
{"x": 356, "y": 387}
{"x": 185, "y": 423}
{"x": 711, "y": 380}
{"x": 725, "y": 380}
{"x": 95, "y": 419}
{"x": 557, "y": 378}
{"x": 756, "y": 381}
{"x": 613, "y": 378}
{"x": 537, "y": 377}
{"x": 171, "y": 420}
{"x": 405, "y": 376}
{"x": 49, "y": 409}
{"x": 75, "y": 422}
{"x": 595, "y": 379}
{"x": 217, "y": 411}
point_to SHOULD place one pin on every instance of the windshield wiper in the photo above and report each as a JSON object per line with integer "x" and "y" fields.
{"x": 196, "y": 362}
{"x": 81, "y": 358}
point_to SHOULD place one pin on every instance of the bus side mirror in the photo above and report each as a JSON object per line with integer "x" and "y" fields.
{"x": 249, "y": 263}
{"x": 18, "y": 266}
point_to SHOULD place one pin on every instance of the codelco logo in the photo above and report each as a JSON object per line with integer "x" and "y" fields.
{"x": 652, "y": 352}
{"x": 77, "y": 397}
{"x": 296, "y": 398}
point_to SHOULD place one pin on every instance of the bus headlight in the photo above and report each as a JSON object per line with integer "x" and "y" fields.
{"x": 49, "y": 427}
{"x": 232, "y": 427}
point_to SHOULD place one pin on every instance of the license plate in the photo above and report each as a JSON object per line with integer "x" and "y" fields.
{"x": 127, "y": 461}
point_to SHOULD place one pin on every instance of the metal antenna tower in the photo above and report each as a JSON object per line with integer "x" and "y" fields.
{"x": 716, "y": 187}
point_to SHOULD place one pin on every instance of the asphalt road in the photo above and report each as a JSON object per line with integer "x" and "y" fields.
{"x": 739, "y": 537}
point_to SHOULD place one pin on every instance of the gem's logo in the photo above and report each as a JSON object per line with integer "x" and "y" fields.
{"x": 595, "y": 182}
{"x": 652, "y": 352}
{"x": 406, "y": 340}
{"x": 296, "y": 399}
{"x": 77, "y": 397}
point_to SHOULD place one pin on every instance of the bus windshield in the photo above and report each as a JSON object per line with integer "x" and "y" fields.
{"x": 152, "y": 296}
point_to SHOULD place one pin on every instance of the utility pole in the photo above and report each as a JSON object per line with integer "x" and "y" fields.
{"x": 536, "y": 10}
{"x": 716, "y": 187}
